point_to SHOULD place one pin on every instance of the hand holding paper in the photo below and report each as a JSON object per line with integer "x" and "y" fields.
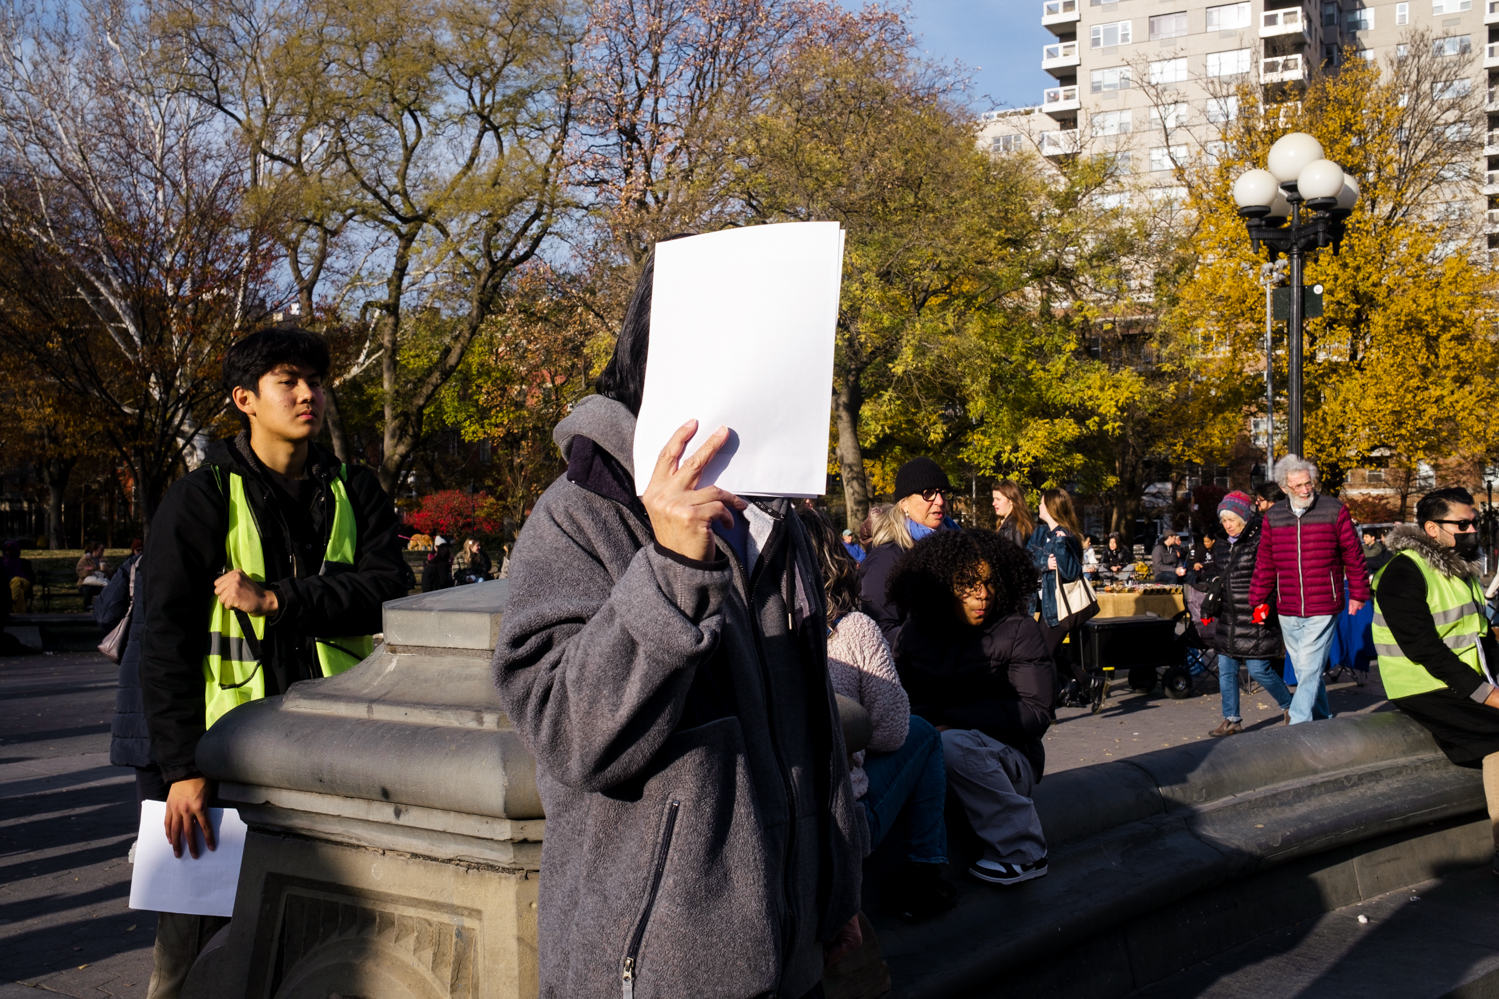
{"x": 682, "y": 515}
{"x": 205, "y": 886}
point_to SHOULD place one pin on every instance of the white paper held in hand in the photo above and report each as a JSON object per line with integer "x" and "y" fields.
{"x": 201, "y": 887}
{"x": 742, "y": 325}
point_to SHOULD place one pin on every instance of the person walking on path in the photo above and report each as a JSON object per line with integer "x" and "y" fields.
{"x": 899, "y": 778}
{"x": 1311, "y": 564}
{"x": 1057, "y": 555}
{"x": 664, "y": 659}
{"x": 1436, "y": 648}
{"x": 921, "y": 492}
{"x": 1012, "y": 514}
{"x": 977, "y": 667}
{"x": 266, "y": 565}
{"x": 1376, "y": 554}
{"x": 1238, "y": 640}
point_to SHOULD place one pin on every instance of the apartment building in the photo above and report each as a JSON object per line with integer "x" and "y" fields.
{"x": 1145, "y": 78}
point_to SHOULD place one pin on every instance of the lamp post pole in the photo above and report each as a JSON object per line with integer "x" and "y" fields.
{"x": 1293, "y": 387}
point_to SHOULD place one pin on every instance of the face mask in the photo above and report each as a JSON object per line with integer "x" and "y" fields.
{"x": 1466, "y": 545}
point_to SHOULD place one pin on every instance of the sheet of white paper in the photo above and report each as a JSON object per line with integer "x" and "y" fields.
{"x": 202, "y": 887}
{"x": 742, "y": 325}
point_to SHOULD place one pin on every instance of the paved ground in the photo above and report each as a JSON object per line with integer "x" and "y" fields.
{"x": 67, "y": 819}
{"x": 1418, "y": 943}
{"x": 1132, "y": 723}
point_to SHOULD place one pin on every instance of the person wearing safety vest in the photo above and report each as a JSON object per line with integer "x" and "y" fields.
{"x": 265, "y": 566}
{"x": 1437, "y": 653}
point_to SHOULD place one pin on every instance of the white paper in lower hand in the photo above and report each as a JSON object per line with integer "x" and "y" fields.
{"x": 742, "y": 326}
{"x": 201, "y": 887}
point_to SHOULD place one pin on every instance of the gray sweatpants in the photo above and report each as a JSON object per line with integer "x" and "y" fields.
{"x": 994, "y": 784}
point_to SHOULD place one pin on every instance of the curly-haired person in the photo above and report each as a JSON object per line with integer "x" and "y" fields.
{"x": 976, "y": 666}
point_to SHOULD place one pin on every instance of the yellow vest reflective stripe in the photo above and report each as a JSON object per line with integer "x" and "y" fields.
{"x": 231, "y": 673}
{"x": 1457, "y": 608}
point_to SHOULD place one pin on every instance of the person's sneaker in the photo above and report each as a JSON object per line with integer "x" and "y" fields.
{"x": 1100, "y": 690}
{"x": 1226, "y": 727}
{"x": 1007, "y": 874}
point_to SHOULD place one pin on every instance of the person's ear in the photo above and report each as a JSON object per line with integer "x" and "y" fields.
{"x": 1431, "y": 528}
{"x": 244, "y": 400}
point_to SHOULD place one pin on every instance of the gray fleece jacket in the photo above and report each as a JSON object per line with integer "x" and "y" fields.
{"x": 702, "y": 838}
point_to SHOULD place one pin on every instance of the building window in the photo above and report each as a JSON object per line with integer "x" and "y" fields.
{"x": 1402, "y": 14}
{"x": 1375, "y": 475}
{"x": 1006, "y": 143}
{"x": 1448, "y": 90}
{"x": 1330, "y": 15}
{"x": 1228, "y": 17}
{"x": 1169, "y": 71}
{"x": 1167, "y": 157}
{"x": 1453, "y": 172}
{"x": 1233, "y": 63}
{"x": 1168, "y": 116}
{"x": 1330, "y": 55}
{"x": 1401, "y": 51}
{"x": 1121, "y": 164}
{"x": 1453, "y": 211}
{"x": 1167, "y": 197}
{"x": 1117, "y": 199}
{"x": 1168, "y": 25}
{"x": 1110, "y": 122}
{"x": 1459, "y": 131}
{"x": 1104, "y": 80}
{"x": 1359, "y": 20}
{"x": 1221, "y": 109}
{"x": 1366, "y": 54}
{"x": 1110, "y": 34}
{"x": 1215, "y": 150}
{"x": 1453, "y": 45}
{"x": 1440, "y": 7}
{"x": 1426, "y": 476}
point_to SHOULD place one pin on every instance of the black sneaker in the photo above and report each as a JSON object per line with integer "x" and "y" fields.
{"x": 1100, "y": 691}
{"x": 1007, "y": 874}
{"x": 920, "y": 898}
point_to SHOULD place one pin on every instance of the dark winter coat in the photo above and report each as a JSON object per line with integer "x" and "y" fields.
{"x": 700, "y": 819}
{"x": 873, "y": 574}
{"x": 1313, "y": 564}
{"x": 129, "y": 738}
{"x": 1376, "y": 556}
{"x": 437, "y": 574}
{"x": 998, "y": 678}
{"x": 1164, "y": 560}
{"x": 1068, "y": 549}
{"x": 1116, "y": 560}
{"x": 185, "y": 554}
{"x": 1235, "y": 634}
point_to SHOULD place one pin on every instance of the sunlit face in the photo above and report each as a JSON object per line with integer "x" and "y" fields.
{"x": 1300, "y": 487}
{"x": 288, "y": 404}
{"x": 973, "y": 602}
{"x": 1460, "y": 518}
{"x": 1232, "y": 523}
{"x": 1002, "y": 505}
{"x": 926, "y": 509}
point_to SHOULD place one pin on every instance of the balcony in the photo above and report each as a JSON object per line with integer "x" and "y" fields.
{"x": 1491, "y": 55}
{"x": 1060, "y": 101}
{"x": 1491, "y": 220}
{"x": 1491, "y": 12}
{"x": 1289, "y": 21}
{"x": 1282, "y": 69}
{"x": 1491, "y": 143}
{"x": 1491, "y": 182}
{"x": 1063, "y": 142}
{"x": 1059, "y": 14}
{"x": 1493, "y": 100}
{"x": 1057, "y": 59}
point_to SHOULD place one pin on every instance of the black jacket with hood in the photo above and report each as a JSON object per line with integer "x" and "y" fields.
{"x": 1236, "y": 634}
{"x": 185, "y": 554}
{"x": 700, "y": 822}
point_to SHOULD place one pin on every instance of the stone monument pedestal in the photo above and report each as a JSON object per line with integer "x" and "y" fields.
{"x": 395, "y": 829}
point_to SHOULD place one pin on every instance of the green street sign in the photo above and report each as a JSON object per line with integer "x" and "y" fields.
{"x": 1311, "y": 302}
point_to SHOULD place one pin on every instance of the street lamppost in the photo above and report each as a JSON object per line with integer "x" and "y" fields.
{"x": 1299, "y": 204}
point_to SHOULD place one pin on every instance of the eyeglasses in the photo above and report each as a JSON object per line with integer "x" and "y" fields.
{"x": 931, "y": 494}
{"x": 1463, "y": 526}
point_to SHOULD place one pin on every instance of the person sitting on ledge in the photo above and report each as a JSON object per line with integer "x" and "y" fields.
{"x": 976, "y": 667}
{"x": 1437, "y": 654}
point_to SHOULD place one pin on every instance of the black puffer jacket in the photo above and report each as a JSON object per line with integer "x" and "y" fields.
{"x": 185, "y": 554}
{"x": 874, "y": 572}
{"x": 998, "y": 679}
{"x": 129, "y": 741}
{"x": 1236, "y": 635}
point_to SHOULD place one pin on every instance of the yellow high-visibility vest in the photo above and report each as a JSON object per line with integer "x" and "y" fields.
{"x": 232, "y": 674}
{"x": 1457, "y": 607}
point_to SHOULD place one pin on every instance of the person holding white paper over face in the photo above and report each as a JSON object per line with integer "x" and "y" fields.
{"x": 663, "y": 656}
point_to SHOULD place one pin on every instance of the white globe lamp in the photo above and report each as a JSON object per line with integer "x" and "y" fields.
{"x": 1280, "y": 208}
{"x": 1291, "y": 154}
{"x": 1348, "y": 196}
{"x": 1320, "y": 181}
{"x": 1255, "y": 191}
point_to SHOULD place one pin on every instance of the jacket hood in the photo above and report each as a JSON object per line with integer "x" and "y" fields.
{"x": 606, "y": 422}
{"x": 1444, "y": 560}
{"x": 234, "y": 454}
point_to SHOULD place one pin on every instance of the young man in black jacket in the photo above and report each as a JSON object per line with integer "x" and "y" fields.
{"x": 265, "y": 566}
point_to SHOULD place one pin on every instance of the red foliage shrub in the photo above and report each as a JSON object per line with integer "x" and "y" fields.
{"x": 454, "y": 512}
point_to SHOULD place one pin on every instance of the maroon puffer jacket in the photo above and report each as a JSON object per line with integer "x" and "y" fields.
{"x": 1303, "y": 561}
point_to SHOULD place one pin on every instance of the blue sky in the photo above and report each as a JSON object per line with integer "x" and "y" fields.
{"x": 998, "y": 40}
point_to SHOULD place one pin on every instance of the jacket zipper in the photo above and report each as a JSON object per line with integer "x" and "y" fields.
{"x": 1300, "y": 572}
{"x": 772, "y": 549}
{"x": 627, "y": 966}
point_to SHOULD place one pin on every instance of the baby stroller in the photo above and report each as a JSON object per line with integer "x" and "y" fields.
{"x": 1196, "y": 638}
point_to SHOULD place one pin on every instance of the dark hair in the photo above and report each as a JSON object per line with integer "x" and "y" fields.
{"x": 925, "y": 580}
{"x": 623, "y": 378}
{"x": 255, "y": 355}
{"x": 1435, "y": 504}
{"x": 1059, "y": 505}
{"x": 839, "y": 571}
{"x": 1269, "y": 491}
{"x": 1020, "y": 513}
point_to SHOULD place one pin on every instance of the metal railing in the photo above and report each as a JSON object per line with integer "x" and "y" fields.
{"x": 1492, "y": 139}
{"x": 1059, "y": 95}
{"x": 1061, "y": 50}
{"x": 1494, "y": 216}
{"x": 1281, "y": 64}
{"x": 1059, "y": 142}
{"x": 1290, "y": 17}
{"x": 1491, "y": 51}
{"x": 1491, "y": 178}
{"x": 1053, "y": 8}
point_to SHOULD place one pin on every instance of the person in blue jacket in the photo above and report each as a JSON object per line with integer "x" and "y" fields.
{"x": 1057, "y": 554}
